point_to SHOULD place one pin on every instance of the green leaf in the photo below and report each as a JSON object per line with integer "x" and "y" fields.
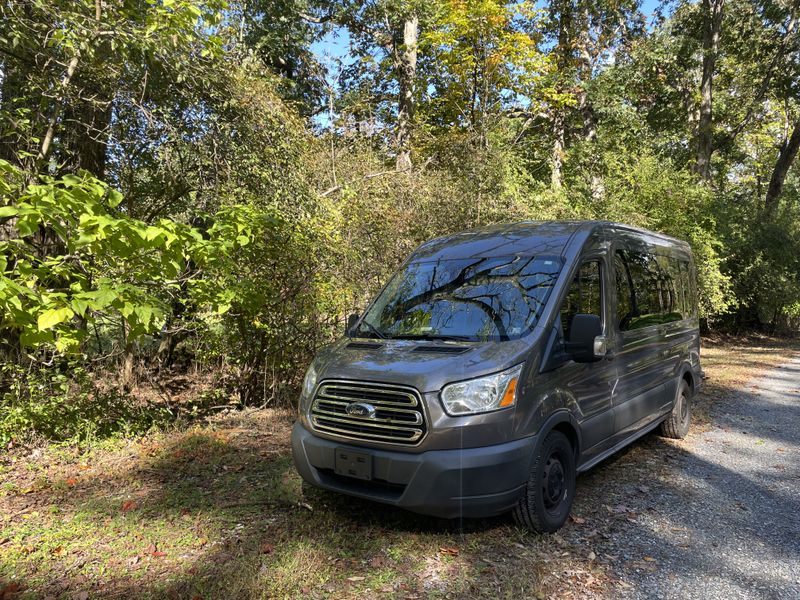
{"x": 50, "y": 318}
{"x": 8, "y": 211}
{"x": 114, "y": 198}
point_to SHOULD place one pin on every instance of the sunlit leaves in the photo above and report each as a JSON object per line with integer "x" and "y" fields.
{"x": 100, "y": 264}
{"x": 485, "y": 57}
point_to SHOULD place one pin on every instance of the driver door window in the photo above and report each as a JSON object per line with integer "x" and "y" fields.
{"x": 585, "y": 295}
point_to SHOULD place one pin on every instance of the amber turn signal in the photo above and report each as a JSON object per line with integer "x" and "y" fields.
{"x": 511, "y": 393}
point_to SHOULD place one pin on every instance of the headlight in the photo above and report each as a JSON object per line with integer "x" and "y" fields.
{"x": 310, "y": 381}
{"x": 484, "y": 394}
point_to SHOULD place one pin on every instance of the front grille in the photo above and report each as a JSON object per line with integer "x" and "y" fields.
{"x": 398, "y": 417}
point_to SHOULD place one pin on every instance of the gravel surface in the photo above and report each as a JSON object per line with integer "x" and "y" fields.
{"x": 715, "y": 516}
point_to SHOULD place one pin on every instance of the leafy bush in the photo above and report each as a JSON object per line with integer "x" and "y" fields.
{"x": 63, "y": 403}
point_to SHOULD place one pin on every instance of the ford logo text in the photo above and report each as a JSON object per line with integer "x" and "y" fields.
{"x": 361, "y": 409}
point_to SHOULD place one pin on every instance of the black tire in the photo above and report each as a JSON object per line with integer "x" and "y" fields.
{"x": 545, "y": 505}
{"x": 676, "y": 425}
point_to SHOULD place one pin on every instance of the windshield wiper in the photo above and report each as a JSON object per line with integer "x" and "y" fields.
{"x": 374, "y": 330}
{"x": 434, "y": 336}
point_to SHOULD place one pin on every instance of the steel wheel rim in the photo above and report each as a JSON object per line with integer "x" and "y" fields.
{"x": 684, "y": 409}
{"x": 554, "y": 483}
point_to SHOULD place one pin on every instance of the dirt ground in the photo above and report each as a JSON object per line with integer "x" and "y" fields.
{"x": 217, "y": 511}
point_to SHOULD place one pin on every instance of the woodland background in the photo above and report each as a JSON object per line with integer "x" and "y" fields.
{"x": 192, "y": 199}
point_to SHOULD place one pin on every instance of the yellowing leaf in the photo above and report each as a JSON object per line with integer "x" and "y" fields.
{"x": 50, "y": 318}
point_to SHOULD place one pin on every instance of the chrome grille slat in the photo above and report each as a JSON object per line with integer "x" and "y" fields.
{"x": 411, "y": 398}
{"x": 350, "y": 399}
{"x": 398, "y": 417}
{"x": 417, "y": 416}
{"x": 365, "y": 436}
{"x": 373, "y": 421}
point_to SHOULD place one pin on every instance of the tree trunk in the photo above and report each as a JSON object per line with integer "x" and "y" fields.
{"x": 786, "y": 157}
{"x": 47, "y": 142}
{"x": 85, "y": 136}
{"x": 584, "y": 72}
{"x": 406, "y": 65}
{"x": 564, "y": 51}
{"x": 712, "y": 10}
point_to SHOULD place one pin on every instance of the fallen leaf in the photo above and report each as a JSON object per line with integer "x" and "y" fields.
{"x": 153, "y": 551}
{"x": 71, "y": 481}
{"x": 578, "y": 520}
{"x": 649, "y": 559}
{"x": 267, "y": 548}
{"x": 449, "y": 551}
{"x": 9, "y": 591}
{"x": 129, "y": 505}
{"x": 57, "y": 551}
{"x": 83, "y": 467}
{"x": 355, "y": 578}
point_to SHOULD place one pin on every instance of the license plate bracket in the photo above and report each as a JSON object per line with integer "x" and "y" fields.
{"x": 353, "y": 464}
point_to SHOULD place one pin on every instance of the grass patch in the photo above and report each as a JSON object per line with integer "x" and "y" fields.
{"x": 217, "y": 511}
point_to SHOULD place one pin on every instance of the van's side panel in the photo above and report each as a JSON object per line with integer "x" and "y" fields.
{"x": 640, "y": 392}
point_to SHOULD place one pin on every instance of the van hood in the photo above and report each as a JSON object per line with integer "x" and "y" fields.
{"x": 427, "y": 365}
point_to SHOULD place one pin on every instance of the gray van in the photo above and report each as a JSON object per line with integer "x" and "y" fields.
{"x": 500, "y": 362}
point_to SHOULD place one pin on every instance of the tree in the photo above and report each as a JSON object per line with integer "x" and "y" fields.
{"x": 385, "y": 37}
{"x": 786, "y": 157}
{"x": 584, "y": 35}
{"x": 712, "y": 27}
{"x": 483, "y": 63}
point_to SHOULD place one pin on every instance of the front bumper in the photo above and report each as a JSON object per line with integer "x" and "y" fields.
{"x": 470, "y": 482}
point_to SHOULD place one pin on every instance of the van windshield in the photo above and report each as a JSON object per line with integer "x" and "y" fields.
{"x": 474, "y": 299}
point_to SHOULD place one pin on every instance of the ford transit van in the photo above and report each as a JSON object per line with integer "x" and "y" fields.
{"x": 498, "y": 363}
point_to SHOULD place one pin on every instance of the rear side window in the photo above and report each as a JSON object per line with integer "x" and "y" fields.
{"x": 585, "y": 295}
{"x": 651, "y": 289}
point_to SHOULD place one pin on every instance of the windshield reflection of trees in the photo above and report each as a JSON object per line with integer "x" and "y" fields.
{"x": 478, "y": 298}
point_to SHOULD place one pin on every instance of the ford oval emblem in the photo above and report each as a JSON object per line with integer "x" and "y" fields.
{"x": 361, "y": 409}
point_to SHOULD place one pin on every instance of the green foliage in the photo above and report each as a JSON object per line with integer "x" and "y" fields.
{"x": 485, "y": 57}
{"x": 99, "y": 265}
{"x": 269, "y": 300}
{"x": 64, "y": 403}
{"x": 649, "y": 191}
{"x": 168, "y": 202}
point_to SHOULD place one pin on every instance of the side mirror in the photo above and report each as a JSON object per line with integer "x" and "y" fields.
{"x": 351, "y": 322}
{"x": 586, "y": 340}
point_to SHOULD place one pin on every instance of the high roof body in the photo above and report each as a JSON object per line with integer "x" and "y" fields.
{"x": 533, "y": 238}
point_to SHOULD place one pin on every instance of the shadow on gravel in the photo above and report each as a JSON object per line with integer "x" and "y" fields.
{"x": 673, "y": 517}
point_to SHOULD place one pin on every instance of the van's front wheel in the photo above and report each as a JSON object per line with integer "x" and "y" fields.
{"x": 547, "y": 500}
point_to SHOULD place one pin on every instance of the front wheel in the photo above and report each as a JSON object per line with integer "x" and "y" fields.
{"x": 676, "y": 425}
{"x": 550, "y": 489}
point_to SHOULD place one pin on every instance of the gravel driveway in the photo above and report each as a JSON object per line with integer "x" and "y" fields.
{"x": 715, "y": 516}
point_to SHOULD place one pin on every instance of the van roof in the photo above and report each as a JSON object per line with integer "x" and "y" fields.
{"x": 527, "y": 238}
